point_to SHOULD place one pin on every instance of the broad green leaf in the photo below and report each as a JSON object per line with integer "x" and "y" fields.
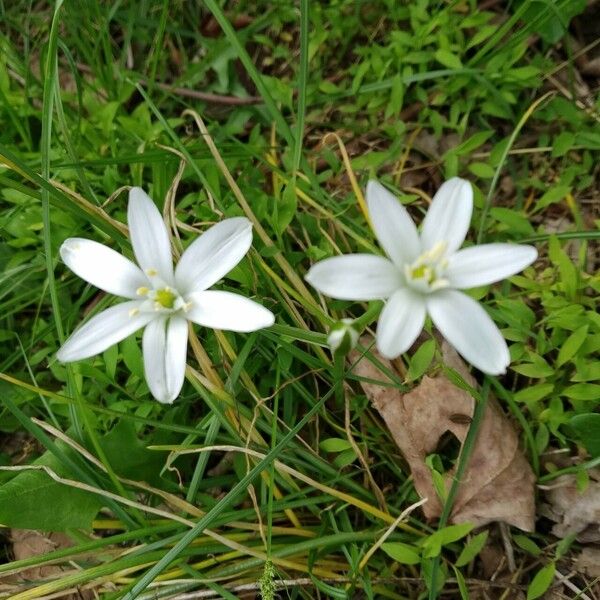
{"x": 583, "y": 391}
{"x": 541, "y": 582}
{"x": 550, "y": 19}
{"x": 33, "y": 500}
{"x": 335, "y": 445}
{"x": 345, "y": 458}
{"x": 402, "y": 553}
{"x": 433, "y": 544}
{"x": 421, "y": 360}
{"x": 571, "y": 345}
{"x": 448, "y": 59}
{"x": 472, "y": 143}
{"x": 527, "y": 544}
{"x": 562, "y": 143}
{"x": 472, "y": 548}
{"x": 481, "y": 169}
{"x": 552, "y": 196}
{"x": 588, "y": 428}
{"x": 533, "y": 393}
{"x": 129, "y": 457}
{"x": 534, "y": 370}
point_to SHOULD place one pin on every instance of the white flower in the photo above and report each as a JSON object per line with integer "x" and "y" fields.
{"x": 161, "y": 298}
{"x": 423, "y": 273}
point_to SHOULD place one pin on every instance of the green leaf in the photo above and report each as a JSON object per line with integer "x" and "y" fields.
{"x": 335, "y": 445}
{"x": 541, "y": 582}
{"x": 563, "y": 142}
{"x": 481, "y": 169}
{"x": 552, "y": 196}
{"x": 286, "y": 208}
{"x": 345, "y": 458}
{"x": 129, "y": 457}
{"x": 587, "y": 427}
{"x": 527, "y": 544}
{"x": 462, "y": 584}
{"x": 433, "y": 544}
{"x": 33, "y": 500}
{"x": 534, "y": 370}
{"x": 402, "y": 553}
{"x": 551, "y": 19}
{"x": 421, "y": 360}
{"x": 448, "y": 59}
{"x": 583, "y": 391}
{"x": 533, "y": 393}
{"x": 472, "y": 548}
{"x": 132, "y": 356}
{"x": 571, "y": 345}
{"x": 472, "y": 143}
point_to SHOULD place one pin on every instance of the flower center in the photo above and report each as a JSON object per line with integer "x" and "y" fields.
{"x": 163, "y": 299}
{"x": 426, "y": 274}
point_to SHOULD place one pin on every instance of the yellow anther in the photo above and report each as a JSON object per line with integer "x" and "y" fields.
{"x": 151, "y": 272}
{"x": 142, "y": 291}
{"x": 133, "y": 312}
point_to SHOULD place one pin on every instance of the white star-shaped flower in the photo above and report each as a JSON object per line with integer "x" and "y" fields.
{"x": 423, "y": 273}
{"x": 161, "y": 299}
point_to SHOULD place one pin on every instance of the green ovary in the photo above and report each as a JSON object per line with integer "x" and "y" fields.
{"x": 165, "y": 298}
{"x": 423, "y": 272}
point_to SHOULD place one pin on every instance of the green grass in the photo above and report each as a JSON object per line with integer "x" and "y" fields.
{"x": 417, "y": 92}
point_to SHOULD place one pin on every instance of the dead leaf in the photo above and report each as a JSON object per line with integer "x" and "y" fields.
{"x": 498, "y": 483}
{"x": 588, "y": 562}
{"x": 28, "y": 543}
{"x": 574, "y": 511}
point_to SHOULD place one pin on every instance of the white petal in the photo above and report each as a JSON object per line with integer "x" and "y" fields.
{"x": 466, "y": 325}
{"x": 149, "y": 236}
{"x": 103, "y": 267}
{"x": 224, "y": 310}
{"x": 104, "y": 330}
{"x": 392, "y": 224}
{"x": 165, "y": 350}
{"x": 400, "y": 323}
{"x": 480, "y": 265}
{"x": 449, "y": 215}
{"x": 213, "y": 255}
{"x": 355, "y": 277}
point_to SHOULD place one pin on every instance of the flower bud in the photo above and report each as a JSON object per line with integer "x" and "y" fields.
{"x": 342, "y": 337}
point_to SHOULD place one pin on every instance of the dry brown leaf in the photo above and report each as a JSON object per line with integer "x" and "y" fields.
{"x": 498, "y": 483}
{"x": 574, "y": 511}
{"x": 28, "y": 543}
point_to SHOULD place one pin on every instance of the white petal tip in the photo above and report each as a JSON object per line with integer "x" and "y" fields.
{"x": 167, "y": 400}
{"x": 532, "y": 253}
{"x": 61, "y": 357}
{"x": 387, "y": 355}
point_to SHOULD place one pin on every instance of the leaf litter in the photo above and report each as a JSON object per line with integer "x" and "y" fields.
{"x": 498, "y": 483}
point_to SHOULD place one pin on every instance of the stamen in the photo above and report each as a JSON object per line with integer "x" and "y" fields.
{"x": 142, "y": 291}
{"x": 151, "y": 272}
{"x": 426, "y": 272}
{"x": 133, "y": 312}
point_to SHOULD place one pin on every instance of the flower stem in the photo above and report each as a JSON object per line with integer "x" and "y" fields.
{"x": 463, "y": 460}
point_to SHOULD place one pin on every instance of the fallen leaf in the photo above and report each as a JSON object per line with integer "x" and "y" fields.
{"x": 574, "y": 512}
{"x": 28, "y": 543}
{"x": 588, "y": 562}
{"x": 498, "y": 484}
